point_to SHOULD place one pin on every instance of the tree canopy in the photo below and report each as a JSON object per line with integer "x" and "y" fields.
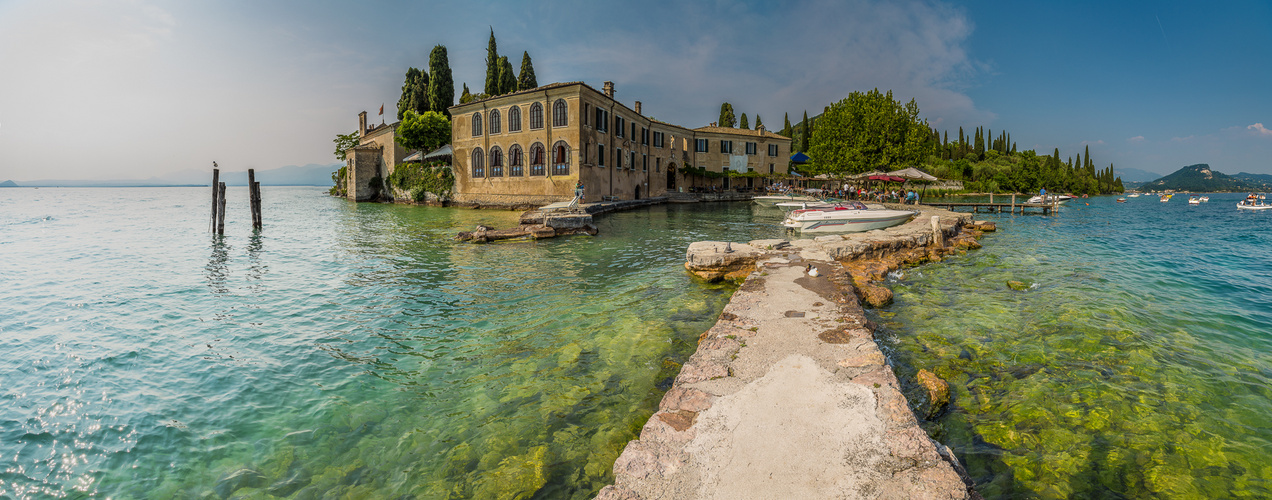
{"x": 441, "y": 87}
{"x": 425, "y": 132}
{"x": 869, "y": 131}
{"x": 507, "y": 77}
{"x": 526, "y": 79}
{"x": 414, "y": 93}
{"x": 345, "y": 142}
{"x": 744, "y": 123}
{"x": 727, "y": 118}
{"x": 492, "y": 66}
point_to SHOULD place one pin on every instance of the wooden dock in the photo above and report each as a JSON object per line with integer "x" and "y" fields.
{"x": 991, "y": 207}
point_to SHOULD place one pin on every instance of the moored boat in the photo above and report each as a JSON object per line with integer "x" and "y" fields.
{"x": 773, "y": 199}
{"x": 1059, "y": 198}
{"x": 848, "y": 217}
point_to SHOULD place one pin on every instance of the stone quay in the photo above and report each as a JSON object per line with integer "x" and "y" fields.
{"x": 788, "y": 395}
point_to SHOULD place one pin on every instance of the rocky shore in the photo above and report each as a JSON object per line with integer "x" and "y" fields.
{"x": 788, "y": 395}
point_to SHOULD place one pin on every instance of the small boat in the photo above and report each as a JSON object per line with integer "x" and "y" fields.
{"x": 1204, "y": 199}
{"x": 1059, "y": 198}
{"x": 773, "y": 199}
{"x": 1194, "y": 200}
{"x": 1253, "y": 206}
{"x": 1165, "y": 198}
{"x": 1121, "y": 200}
{"x": 1133, "y": 195}
{"x": 849, "y": 217}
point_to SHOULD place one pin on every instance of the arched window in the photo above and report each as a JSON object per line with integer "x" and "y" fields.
{"x": 536, "y": 116}
{"x": 496, "y": 162}
{"x": 537, "y": 161}
{"x": 494, "y": 123}
{"x": 476, "y": 124}
{"x": 514, "y": 119}
{"x": 479, "y": 163}
{"x": 559, "y": 109}
{"x": 516, "y": 166}
{"x": 561, "y": 158}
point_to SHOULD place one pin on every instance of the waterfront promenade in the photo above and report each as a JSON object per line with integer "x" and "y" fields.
{"x": 788, "y": 395}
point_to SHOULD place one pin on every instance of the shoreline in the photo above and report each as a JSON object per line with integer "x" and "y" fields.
{"x": 788, "y": 394}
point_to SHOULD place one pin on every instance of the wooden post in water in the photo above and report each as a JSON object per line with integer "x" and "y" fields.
{"x": 220, "y": 216}
{"x": 216, "y": 177}
{"x": 938, "y": 237}
{"x": 254, "y": 198}
{"x": 1013, "y": 204}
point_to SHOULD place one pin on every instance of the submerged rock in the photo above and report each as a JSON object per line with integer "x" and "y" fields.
{"x": 242, "y": 478}
{"x": 938, "y": 392}
{"x": 1017, "y": 286}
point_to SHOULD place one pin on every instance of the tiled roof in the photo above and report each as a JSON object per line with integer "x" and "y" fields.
{"x": 739, "y": 131}
{"x": 520, "y": 92}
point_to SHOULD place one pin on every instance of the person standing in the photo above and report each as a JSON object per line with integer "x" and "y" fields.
{"x": 578, "y": 190}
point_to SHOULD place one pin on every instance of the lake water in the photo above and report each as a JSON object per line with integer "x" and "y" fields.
{"x": 1137, "y": 366}
{"x": 356, "y": 349}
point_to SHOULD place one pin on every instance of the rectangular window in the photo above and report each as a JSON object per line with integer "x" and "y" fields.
{"x": 659, "y": 139}
{"x": 644, "y": 136}
{"x": 657, "y": 165}
{"x": 772, "y": 151}
{"x": 700, "y": 146}
{"x": 618, "y": 158}
{"x": 633, "y": 131}
{"x": 600, "y": 153}
{"x": 644, "y": 163}
{"x": 750, "y": 148}
{"x": 770, "y": 168}
{"x": 632, "y": 164}
{"x": 726, "y": 146}
{"x": 618, "y": 126}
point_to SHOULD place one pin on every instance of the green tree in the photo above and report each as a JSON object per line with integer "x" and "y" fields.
{"x": 758, "y": 122}
{"x": 786, "y": 129}
{"x": 441, "y": 87}
{"x": 726, "y": 116}
{"x": 803, "y": 142}
{"x": 345, "y": 142}
{"x": 744, "y": 123}
{"x": 507, "y": 77}
{"x": 466, "y": 97}
{"x": 526, "y": 80}
{"x": 869, "y": 130}
{"x": 492, "y": 66}
{"x": 424, "y": 132}
{"x": 408, "y": 92}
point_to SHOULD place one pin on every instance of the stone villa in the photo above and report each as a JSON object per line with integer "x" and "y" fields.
{"x": 532, "y": 147}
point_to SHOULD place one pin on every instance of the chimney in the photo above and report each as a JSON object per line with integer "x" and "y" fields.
{"x": 638, "y": 107}
{"x": 362, "y": 124}
{"x": 759, "y": 129}
{"x": 608, "y": 88}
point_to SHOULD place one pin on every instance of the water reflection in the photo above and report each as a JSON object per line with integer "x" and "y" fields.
{"x": 217, "y": 271}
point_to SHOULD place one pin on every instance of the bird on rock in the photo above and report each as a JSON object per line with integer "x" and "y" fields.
{"x": 812, "y": 271}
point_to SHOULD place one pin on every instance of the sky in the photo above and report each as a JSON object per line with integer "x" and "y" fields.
{"x": 131, "y": 89}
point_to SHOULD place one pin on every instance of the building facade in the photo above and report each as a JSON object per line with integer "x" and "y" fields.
{"x": 372, "y": 160}
{"x": 532, "y": 147}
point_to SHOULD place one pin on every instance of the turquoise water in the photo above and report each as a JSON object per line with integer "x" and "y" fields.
{"x": 348, "y": 349}
{"x": 1137, "y": 366}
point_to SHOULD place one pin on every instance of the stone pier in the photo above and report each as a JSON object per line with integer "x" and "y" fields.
{"x": 788, "y": 395}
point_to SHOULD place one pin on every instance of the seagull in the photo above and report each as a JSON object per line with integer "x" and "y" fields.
{"x": 812, "y": 271}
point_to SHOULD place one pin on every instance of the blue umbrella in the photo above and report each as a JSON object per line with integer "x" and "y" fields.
{"x": 800, "y": 158}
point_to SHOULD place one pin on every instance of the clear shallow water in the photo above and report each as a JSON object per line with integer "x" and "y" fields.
{"x": 1138, "y": 365}
{"x": 347, "y": 349}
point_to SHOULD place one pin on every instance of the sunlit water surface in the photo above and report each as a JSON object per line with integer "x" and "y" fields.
{"x": 1137, "y": 365}
{"x": 352, "y": 350}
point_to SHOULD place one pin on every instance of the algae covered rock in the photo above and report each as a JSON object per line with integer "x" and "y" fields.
{"x": 876, "y": 296}
{"x": 1017, "y": 285}
{"x": 242, "y": 478}
{"x": 938, "y": 392}
{"x": 517, "y": 476}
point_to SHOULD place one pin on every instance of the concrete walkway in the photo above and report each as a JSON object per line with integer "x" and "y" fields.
{"x": 787, "y": 396}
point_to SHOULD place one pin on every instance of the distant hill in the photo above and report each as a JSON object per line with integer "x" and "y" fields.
{"x": 292, "y": 175}
{"x": 1200, "y": 178}
{"x": 1137, "y": 175}
{"x": 1259, "y": 178}
{"x": 8, "y": 184}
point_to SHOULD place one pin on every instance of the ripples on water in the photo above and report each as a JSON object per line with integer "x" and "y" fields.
{"x": 348, "y": 349}
{"x": 1137, "y": 366}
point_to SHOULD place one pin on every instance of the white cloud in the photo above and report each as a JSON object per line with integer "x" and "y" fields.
{"x": 1259, "y": 129}
{"x": 1138, "y": 138}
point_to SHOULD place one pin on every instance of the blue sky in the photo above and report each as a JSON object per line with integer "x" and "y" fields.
{"x": 96, "y": 89}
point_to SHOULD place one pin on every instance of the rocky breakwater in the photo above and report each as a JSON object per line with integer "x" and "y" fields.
{"x": 788, "y": 395}
{"x": 536, "y": 224}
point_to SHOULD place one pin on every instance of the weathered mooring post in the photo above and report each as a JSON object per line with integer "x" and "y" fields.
{"x": 254, "y": 198}
{"x": 938, "y": 237}
{"x": 220, "y": 216}
{"x": 216, "y": 177}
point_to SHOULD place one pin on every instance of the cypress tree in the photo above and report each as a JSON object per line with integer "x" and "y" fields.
{"x": 758, "y": 122}
{"x": 441, "y": 87}
{"x": 526, "y": 80}
{"x": 507, "y": 78}
{"x": 786, "y": 129}
{"x": 803, "y": 145}
{"x": 727, "y": 118}
{"x": 980, "y": 143}
{"x": 466, "y": 96}
{"x": 492, "y": 66}
{"x": 744, "y": 124}
{"x": 408, "y": 87}
{"x": 419, "y": 94}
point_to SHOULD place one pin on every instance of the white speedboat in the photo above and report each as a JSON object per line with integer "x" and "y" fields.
{"x": 1194, "y": 200}
{"x": 1253, "y": 206}
{"x": 1060, "y": 198}
{"x": 1204, "y": 199}
{"x": 1133, "y": 195}
{"x": 849, "y": 217}
{"x": 774, "y": 199}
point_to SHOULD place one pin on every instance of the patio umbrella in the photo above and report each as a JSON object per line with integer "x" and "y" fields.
{"x": 913, "y": 174}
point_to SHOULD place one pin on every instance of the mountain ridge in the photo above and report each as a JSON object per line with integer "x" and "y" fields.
{"x": 1202, "y": 179}
{"x": 312, "y": 174}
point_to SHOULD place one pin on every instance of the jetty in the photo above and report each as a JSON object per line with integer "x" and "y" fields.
{"x": 788, "y": 395}
{"x": 557, "y": 219}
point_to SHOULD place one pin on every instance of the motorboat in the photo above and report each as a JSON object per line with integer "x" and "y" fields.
{"x": 1165, "y": 198}
{"x": 802, "y": 205}
{"x": 847, "y": 217}
{"x": 1121, "y": 200}
{"x": 1194, "y": 200}
{"x": 1204, "y": 199}
{"x": 1133, "y": 195}
{"x": 1253, "y": 202}
{"x": 774, "y": 199}
{"x": 1050, "y": 199}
